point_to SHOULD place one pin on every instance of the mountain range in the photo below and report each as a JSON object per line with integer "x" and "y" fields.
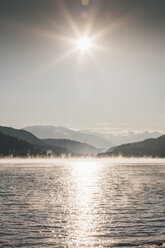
{"x": 52, "y": 132}
{"x": 96, "y": 139}
{"x": 130, "y": 137}
{"x": 147, "y": 148}
{"x": 20, "y": 142}
{"x": 22, "y": 135}
{"x": 45, "y": 147}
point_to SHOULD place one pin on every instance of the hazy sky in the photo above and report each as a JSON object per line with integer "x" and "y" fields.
{"x": 119, "y": 84}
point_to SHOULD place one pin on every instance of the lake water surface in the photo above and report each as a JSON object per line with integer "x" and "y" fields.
{"x": 82, "y": 203}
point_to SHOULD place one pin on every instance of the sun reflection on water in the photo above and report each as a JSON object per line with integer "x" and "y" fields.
{"x": 86, "y": 176}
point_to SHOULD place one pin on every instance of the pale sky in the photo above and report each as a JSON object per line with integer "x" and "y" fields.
{"x": 118, "y": 84}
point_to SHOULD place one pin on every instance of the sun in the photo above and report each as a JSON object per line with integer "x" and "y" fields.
{"x": 84, "y": 43}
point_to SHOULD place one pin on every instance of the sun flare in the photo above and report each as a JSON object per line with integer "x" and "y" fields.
{"x": 84, "y": 43}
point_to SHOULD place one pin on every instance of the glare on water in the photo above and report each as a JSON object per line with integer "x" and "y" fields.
{"x": 85, "y": 176}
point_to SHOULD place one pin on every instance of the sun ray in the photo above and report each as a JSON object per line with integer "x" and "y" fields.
{"x": 60, "y": 59}
{"x": 65, "y": 55}
{"x": 118, "y": 23}
{"x": 70, "y": 21}
{"x": 34, "y": 30}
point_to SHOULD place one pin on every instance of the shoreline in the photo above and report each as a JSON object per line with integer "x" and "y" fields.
{"x": 114, "y": 160}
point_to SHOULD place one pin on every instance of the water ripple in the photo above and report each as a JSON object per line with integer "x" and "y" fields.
{"x": 82, "y": 204}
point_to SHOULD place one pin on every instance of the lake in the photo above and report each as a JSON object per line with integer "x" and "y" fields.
{"x": 82, "y": 203}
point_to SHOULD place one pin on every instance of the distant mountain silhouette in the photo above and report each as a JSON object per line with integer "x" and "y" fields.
{"x": 11, "y": 146}
{"x": 73, "y": 146}
{"x": 130, "y": 137}
{"x": 33, "y": 140}
{"x": 52, "y": 132}
{"x": 125, "y": 137}
{"x": 149, "y": 147}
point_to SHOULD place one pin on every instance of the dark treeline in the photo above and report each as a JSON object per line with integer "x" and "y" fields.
{"x": 11, "y": 146}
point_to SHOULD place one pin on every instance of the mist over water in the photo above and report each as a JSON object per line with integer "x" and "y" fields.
{"x": 82, "y": 202}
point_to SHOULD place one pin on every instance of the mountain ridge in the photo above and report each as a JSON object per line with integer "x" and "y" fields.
{"x": 28, "y": 137}
{"x": 53, "y": 132}
{"x": 154, "y": 147}
{"x": 52, "y": 146}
